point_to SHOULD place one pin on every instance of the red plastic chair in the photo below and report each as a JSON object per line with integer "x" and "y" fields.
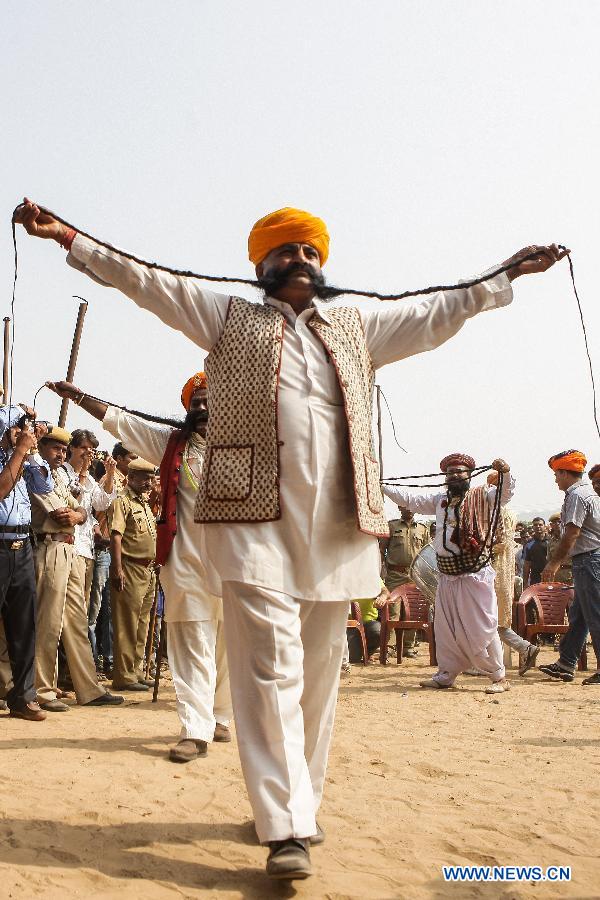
{"x": 547, "y": 604}
{"x": 357, "y": 622}
{"x": 415, "y": 615}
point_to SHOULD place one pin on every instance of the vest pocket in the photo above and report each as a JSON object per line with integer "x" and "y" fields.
{"x": 374, "y": 495}
{"x": 230, "y": 471}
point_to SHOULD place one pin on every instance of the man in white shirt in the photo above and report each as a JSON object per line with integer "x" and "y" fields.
{"x": 290, "y": 557}
{"x": 89, "y": 494}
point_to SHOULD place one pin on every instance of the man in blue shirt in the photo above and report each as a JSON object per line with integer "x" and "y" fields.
{"x": 20, "y": 468}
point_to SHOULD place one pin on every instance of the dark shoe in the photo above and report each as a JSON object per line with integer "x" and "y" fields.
{"x": 592, "y": 679}
{"x": 222, "y": 734}
{"x": 31, "y": 712}
{"x": 54, "y": 706}
{"x": 555, "y": 671}
{"x": 187, "y": 750}
{"x": 527, "y": 661}
{"x": 147, "y": 681}
{"x": 106, "y": 699}
{"x": 134, "y": 686}
{"x": 317, "y": 838}
{"x": 289, "y": 859}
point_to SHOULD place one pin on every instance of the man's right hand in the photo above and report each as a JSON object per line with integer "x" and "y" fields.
{"x": 38, "y": 223}
{"x": 117, "y": 579}
{"x": 26, "y": 441}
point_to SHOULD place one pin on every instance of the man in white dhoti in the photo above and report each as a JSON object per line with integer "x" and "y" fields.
{"x": 196, "y": 642}
{"x": 466, "y": 609}
{"x": 290, "y": 496}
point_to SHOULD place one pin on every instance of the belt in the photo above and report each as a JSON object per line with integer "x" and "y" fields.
{"x": 56, "y": 536}
{"x": 391, "y": 568}
{"x": 13, "y": 544}
{"x": 138, "y": 560}
{"x": 14, "y": 529}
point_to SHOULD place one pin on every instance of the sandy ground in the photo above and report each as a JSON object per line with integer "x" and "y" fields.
{"x": 91, "y": 807}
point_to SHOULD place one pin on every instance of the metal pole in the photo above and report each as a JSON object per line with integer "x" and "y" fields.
{"x": 380, "y": 442}
{"x": 6, "y": 363}
{"x": 73, "y": 358}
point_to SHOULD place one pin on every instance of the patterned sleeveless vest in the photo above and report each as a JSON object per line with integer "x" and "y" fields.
{"x": 240, "y": 479}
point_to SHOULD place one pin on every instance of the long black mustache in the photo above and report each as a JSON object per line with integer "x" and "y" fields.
{"x": 277, "y": 279}
{"x": 458, "y": 487}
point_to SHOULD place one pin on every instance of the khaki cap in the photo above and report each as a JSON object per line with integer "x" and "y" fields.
{"x": 56, "y": 433}
{"x": 141, "y": 465}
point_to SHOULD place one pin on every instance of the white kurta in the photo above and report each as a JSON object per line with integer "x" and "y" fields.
{"x": 315, "y": 551}
{"x": 183, "y": 576}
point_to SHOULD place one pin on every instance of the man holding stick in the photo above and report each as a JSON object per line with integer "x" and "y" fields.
{"x": 289, "y": 495}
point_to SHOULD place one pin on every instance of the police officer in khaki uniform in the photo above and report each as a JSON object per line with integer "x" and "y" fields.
{"x": 406, "y": 538}
{"x": 60, "y": 579}
{"x": 132, "y": 575}
{"x": 565, "y": 573}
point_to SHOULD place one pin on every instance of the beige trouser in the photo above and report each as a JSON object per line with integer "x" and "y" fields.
{"x": 130, "y": 618}
{"x": 61, "y": 612}
{"x": 5, "y": 670}
{"x": 88, "y": 577}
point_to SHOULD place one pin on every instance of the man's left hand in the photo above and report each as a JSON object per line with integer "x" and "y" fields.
{"x": 545, "y": 257}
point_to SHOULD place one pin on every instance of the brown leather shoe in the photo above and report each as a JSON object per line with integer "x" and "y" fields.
{"x": 187, "y": 750}
{"x": 222, "y": 734}
{"x": 289, "y": 860}
{"x": 54, "y": 706}
{"x": 31, "y": 712}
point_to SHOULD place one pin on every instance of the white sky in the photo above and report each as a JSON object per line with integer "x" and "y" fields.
{"x": 435, "y": 139}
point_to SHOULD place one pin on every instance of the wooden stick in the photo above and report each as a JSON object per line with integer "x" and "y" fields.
{"x": 380, "y": 441}
{"x": 159, "y": 656}
{"x": 6, "y": 363}
{"x": 150, "y": 639}
{"x": 73, "y": 358}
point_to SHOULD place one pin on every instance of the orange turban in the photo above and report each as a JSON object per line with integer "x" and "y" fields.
{"x": 194, "y": 383}
{"x": 287, "y": 226}
{"x": 569, "y": 460}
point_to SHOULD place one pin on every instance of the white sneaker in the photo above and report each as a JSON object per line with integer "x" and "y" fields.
{"x": 498, "y": 687}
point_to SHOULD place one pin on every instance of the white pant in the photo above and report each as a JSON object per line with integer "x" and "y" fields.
{"x": 466, "y": 626}
{"x": 284, "y": 658}
{"x": 198, "y": 664}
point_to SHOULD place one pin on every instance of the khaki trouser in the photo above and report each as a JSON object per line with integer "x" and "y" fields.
{"x": 88, "y": 577}
{"x": 60, "y": 579}
{"x": 392, "y": 581}
{"x": 130, "y": 610}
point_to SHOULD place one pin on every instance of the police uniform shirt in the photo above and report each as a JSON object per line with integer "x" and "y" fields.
{"x": 43, "y": 504}
{"x": 131, "y": 516}
{"x": 406, "y": 539}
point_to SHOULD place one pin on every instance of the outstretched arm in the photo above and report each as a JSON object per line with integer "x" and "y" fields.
{"x": 398, "y": 329}
{"x": 179, "y": 302}
{"x": 425, "y": 503}
{"x": 147, "y": 439}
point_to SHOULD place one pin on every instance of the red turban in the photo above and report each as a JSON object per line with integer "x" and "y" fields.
{"x": 594, "y": 472}
{"x": 287, "y": 226}
{"x": 195, "y": 383}
{"x": 457, "y": 459}
{"x": 569, "y": 460}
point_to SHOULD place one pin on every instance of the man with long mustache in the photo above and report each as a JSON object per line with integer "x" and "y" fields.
{"x": 289, "y": 497}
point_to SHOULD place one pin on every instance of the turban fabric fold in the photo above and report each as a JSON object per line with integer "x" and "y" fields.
{"x": 569, "y": 460}
{"x": 457, "y": 459}
{"x": 287, "y": 226}
{"x": 195, "y": 383}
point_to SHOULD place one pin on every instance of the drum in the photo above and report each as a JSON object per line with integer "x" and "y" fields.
{"x": 424, "y": 572}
